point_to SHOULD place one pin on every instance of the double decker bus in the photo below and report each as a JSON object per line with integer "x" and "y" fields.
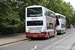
{"x": 40, "y": 22}
{"x": 61, "y": 28}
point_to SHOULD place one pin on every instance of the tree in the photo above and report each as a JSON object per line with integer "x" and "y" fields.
{"x": 8, "y": 17}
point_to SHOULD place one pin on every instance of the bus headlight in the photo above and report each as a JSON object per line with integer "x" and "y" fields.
{"x": 28, "y": 30}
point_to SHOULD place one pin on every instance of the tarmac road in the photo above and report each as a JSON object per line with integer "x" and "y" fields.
{"x": 44, "y": 44}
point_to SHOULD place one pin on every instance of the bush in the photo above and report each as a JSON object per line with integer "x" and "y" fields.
{"x": 11, "y": 30}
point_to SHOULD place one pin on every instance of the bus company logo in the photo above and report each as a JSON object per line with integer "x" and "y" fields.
{"x": 32, "y": 18}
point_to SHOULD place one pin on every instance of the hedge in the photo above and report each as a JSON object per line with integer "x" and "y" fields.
{"x": 11, "y": 30}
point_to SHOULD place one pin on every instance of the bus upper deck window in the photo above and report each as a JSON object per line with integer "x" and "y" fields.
{"x": 34, "y": 12}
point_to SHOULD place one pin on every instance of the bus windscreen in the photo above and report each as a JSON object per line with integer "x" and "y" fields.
{"x": 34, "y": 12}
{"x": 34, "y": 23}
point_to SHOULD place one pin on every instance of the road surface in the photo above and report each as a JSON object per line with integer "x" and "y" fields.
{"x": 53, "y": 43}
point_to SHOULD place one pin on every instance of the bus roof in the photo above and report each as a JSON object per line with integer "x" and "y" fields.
{"x": 60, "y": 15}
{"x": 38, "y": 6}
{"x": 34, "y": 6}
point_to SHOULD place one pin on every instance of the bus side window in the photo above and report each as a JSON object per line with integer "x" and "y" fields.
{"x": 52, "y": 14}
{"x": 49, "y": 26}
{"x": 62, "y": 25}
{"x": 46, "y": 12}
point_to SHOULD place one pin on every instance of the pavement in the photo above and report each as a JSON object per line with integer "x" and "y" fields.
{"x": 14, "y": 38}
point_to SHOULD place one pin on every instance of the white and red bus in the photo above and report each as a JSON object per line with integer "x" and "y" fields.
{"x": 40, "y": 22}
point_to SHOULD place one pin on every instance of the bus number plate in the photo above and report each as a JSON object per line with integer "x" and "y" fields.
{"x": 34, "y": 35}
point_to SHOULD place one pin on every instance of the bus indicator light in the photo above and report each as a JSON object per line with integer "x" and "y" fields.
{"x": 28, "y": 30}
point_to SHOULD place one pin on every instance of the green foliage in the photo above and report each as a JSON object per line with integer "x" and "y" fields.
{"x": 12, "y": 13}
{"x": 8, "y": 18}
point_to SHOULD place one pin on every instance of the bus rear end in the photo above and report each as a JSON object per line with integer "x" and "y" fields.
{"x": 34, "y": 22}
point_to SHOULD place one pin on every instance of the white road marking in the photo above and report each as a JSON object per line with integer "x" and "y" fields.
{"x": 35, "y": 47}
{"x": 49, "y": 47}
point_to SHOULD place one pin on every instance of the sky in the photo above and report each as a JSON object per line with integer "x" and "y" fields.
{"x": 72, "y": 2}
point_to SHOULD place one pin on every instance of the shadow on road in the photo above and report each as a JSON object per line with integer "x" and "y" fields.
{"x": 39, "y": 39}
{"x": 61, "y": 33}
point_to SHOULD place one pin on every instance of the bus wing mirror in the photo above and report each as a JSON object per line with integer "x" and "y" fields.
{"x": 57, "y": 22}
